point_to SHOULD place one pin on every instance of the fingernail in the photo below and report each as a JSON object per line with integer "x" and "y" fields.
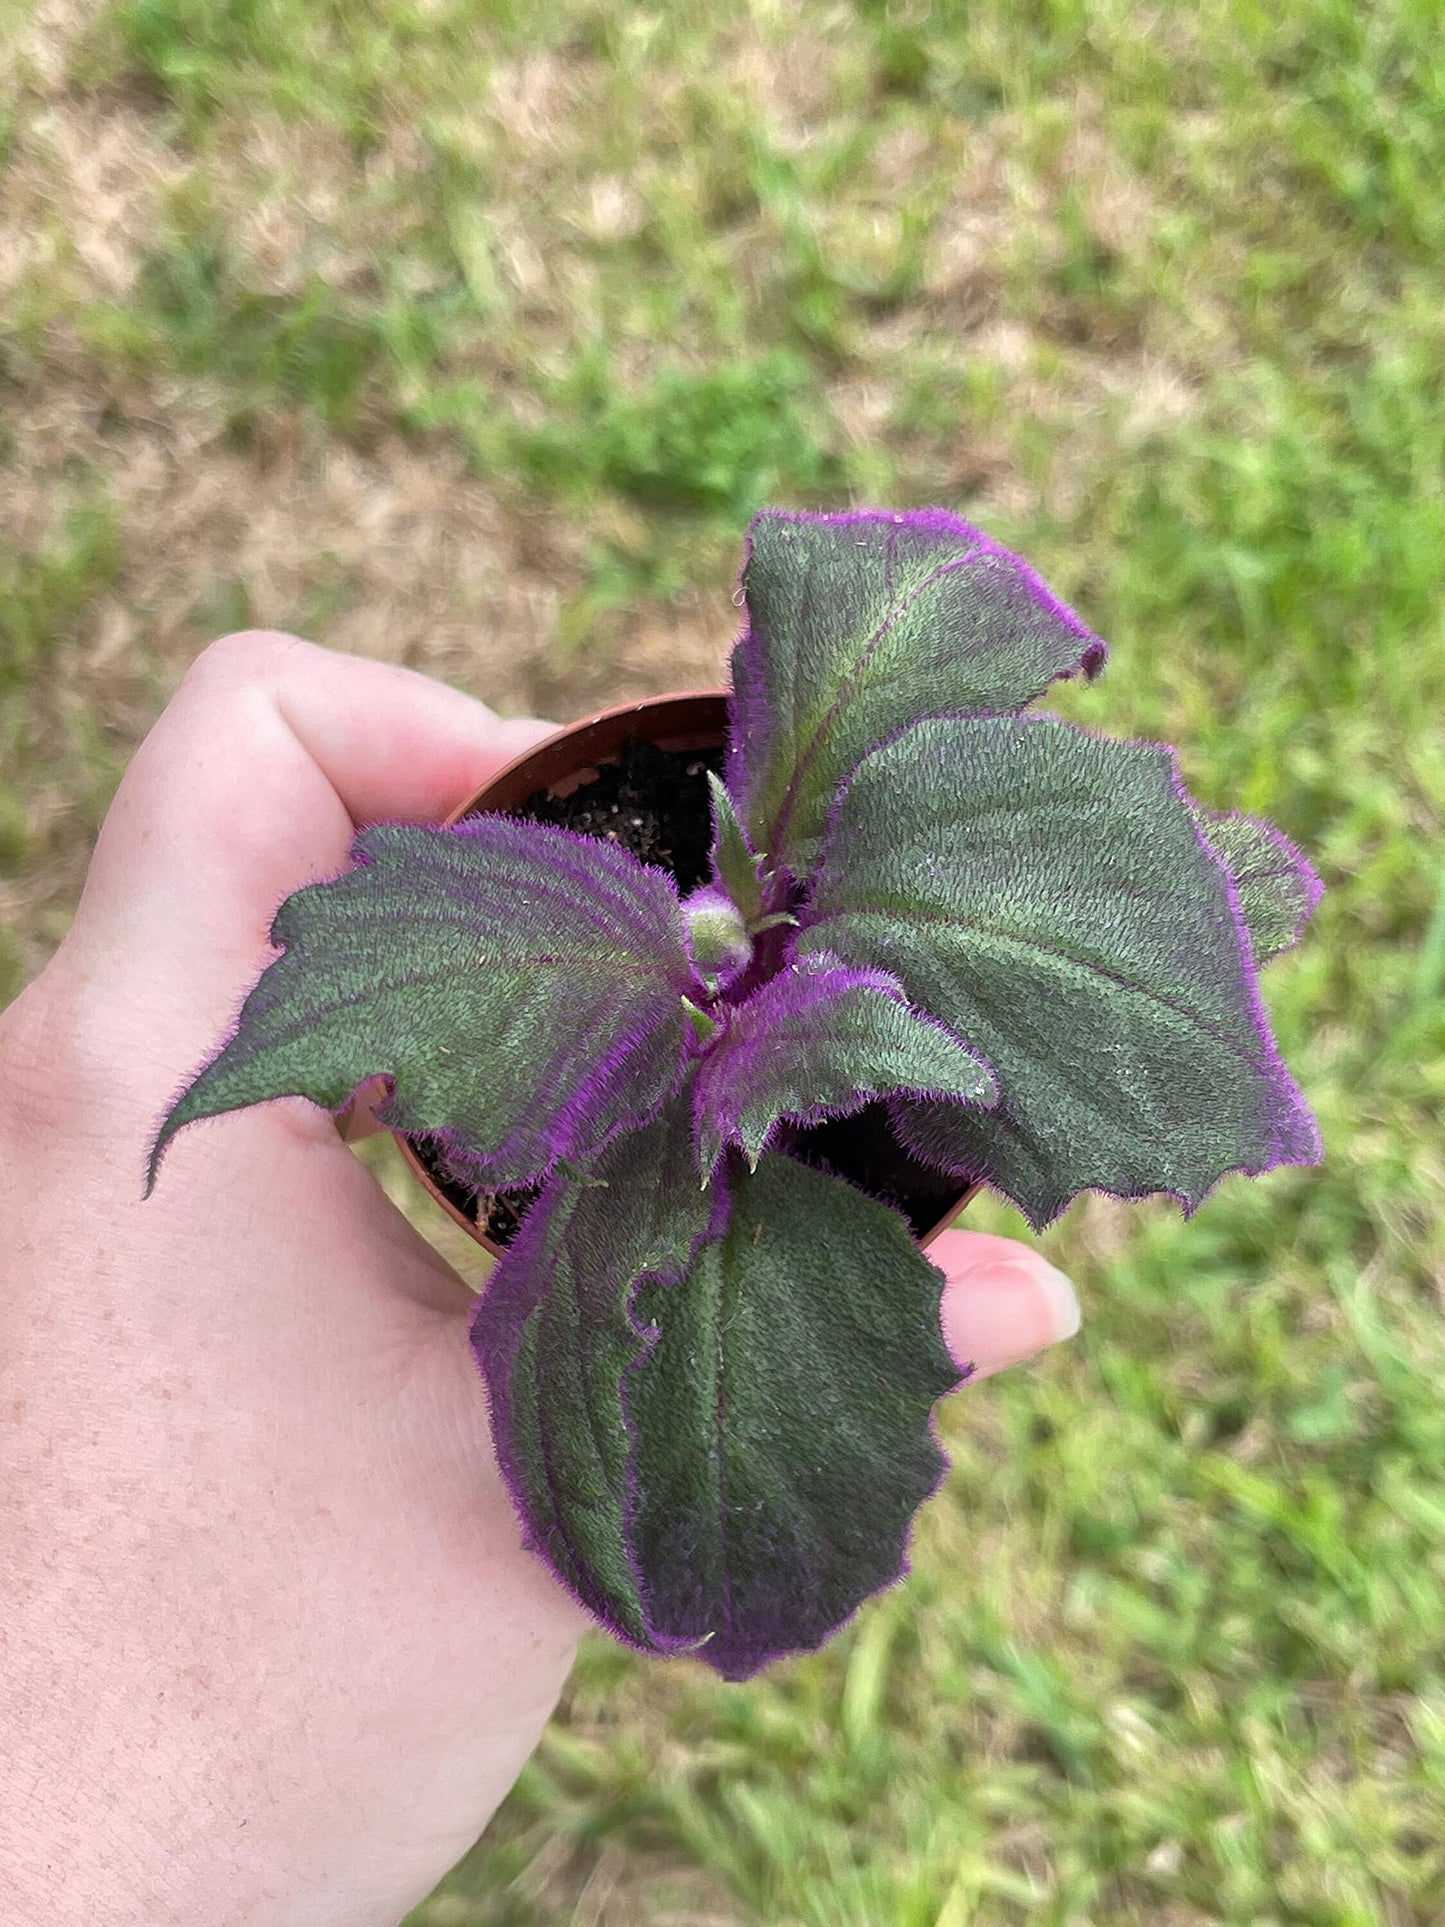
{"x": 1063, "y": 1301}
{"x": 1049, "y": 1315}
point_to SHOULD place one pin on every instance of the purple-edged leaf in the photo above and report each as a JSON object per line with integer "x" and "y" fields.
{"x": 1275, "y": 883}
{"x": 553, "y": 1338}
{"x": 820, "y": 1040}
{"x": 520, "y": 986}
{"x": 1047, "y": 895}
{"x": 781, "y": 1424}
{"x": 857, "y": 626}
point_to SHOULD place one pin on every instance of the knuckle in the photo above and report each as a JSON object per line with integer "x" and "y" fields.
{"x": 244, "y": 656}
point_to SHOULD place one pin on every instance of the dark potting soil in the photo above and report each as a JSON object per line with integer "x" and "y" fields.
{"x": 655, "y": 803}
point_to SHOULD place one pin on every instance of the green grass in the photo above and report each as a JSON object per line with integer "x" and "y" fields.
{"x": 1157, "y": 294}
{"x": 45, "y": 589}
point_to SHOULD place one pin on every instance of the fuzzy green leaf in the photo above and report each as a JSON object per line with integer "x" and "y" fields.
{"x": 734, "y": 864}
{"x": 858, "y": 625}
{"x": 782, "y": 1421}
{"x": 1276, "y": 885}
{"x": 1046, "y": 894}
{"x": 554, "y": 1341}
{"x": 522, "y": 988}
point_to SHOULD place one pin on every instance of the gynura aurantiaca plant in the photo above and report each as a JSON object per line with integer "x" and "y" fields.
{"x": 711, "y": 1367}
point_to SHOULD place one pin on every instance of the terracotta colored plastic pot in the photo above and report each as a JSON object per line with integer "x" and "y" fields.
{"x": 561, "y": 764}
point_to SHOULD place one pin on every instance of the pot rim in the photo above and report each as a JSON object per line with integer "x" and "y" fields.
{"x": 603, "y": 722}
{"x": 567, "y": 732}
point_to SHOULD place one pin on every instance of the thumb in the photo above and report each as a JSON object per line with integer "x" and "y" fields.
{"x": 1003, "y": 1301}
{"x": 270, "y": 756}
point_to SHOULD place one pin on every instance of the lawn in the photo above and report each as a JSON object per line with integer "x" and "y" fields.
{"x": 470, "y": 333}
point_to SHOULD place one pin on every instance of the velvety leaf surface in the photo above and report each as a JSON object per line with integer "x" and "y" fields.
{"x": 734, "y": 863}
{"x": 1047, "y": 895}
{"x": 819, "y": 1041}
{"x": 858, "y": 625}
{"x": 553, "y": 1339}
{"x": 1276, "y": 884}
{"x": 782, "y": 1421}
{"x": 522, "y": 987}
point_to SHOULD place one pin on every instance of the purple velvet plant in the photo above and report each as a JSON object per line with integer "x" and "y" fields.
{"x": 711, "y": 1366}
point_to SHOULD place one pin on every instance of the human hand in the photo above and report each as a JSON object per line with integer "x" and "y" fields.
{"x": 270, "y": 1648}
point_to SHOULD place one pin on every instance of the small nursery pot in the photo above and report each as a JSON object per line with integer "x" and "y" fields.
{"x": 560, "y": 766}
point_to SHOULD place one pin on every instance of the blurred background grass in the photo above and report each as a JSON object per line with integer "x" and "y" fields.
{"x": 469, "y": 333}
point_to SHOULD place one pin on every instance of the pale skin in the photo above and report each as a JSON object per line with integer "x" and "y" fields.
{"x": 271, "y": 1652}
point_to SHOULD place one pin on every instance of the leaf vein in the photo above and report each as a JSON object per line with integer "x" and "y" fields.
{"x": 809, "y": 754}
